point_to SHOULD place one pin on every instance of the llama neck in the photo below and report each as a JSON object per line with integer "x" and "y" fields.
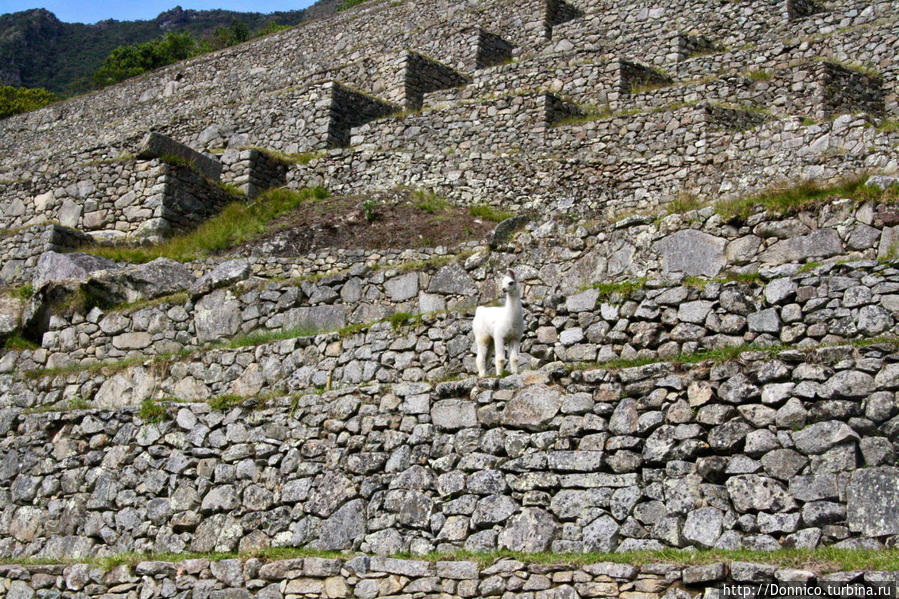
{"x": 513, "y": 303}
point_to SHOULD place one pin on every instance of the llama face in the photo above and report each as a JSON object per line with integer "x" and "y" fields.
{"x": 509, "y": 283}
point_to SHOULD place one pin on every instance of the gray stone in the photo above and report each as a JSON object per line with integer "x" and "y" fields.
{"x": 453, "y": 414}
{"x": 889, "y": 243}
{"x": 162, "y": 276}
{"x": 821, "y": 436}
{"x": 703, "y": 526}
{"x": 695, "y": 311}
{"x": 11, "y": 310}
{"x": 506, "y": 229}
{"x": 69, "y": 213}
{"x": 692, "y": 253}
{"x": 221, "y": 498}
{"x": 493, "y": 509}
{"x": 127, "y": 388}
{"x": 873, "y": 501}
{"x": 344, "y": 527}
{"x": 217, "y": 316}
{"x": 882, "y": 182}
{"x": 752, "y": 492}
{"x": 156, "y": 145}
{"x": 223, "y": 275}
{"x": 780, "y": 290}
{"x": 624, "y": 418}
{"x": 315, "y": 319}
{"x": 764, "y": 321}
{"x": 452, "y": 279}
{"x": 530, "y": 531}
{"x": 52, "y": 266}
{"x": 532, "y": 407}
{"x": 822, "y": 243}
{"x": 402, "y": 287}
{"x": 582, "y": 302}
{"x": 601, "y": 535}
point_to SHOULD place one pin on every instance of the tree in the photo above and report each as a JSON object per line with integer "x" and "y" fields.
{"x": 234, "y": 34}
{"x": 129, "y": 61}
{"x": 14, "y": 100}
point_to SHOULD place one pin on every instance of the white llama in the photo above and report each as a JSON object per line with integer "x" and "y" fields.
{"x": 502, "y": 324}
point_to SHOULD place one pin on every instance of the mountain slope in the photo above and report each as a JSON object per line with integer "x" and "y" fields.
{"x": 39, "y": 50}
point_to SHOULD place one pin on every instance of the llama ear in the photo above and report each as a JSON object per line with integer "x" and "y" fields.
{"x": 511, "y": 274}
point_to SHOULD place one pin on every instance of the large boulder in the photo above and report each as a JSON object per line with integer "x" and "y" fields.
{"x": 873, "y": 501}
{"x": 531, "y": 530}
{"x": 692, "y": 253}
{"x": 53, "y": 266}
{"x": 160, "y": 277}
{"x": 222, "y": 275}
{"x": 532, "y": 408}
{"x": 817, "y": 244}
{"x": 11, "y": 309}
{"x": 217, "y": 316}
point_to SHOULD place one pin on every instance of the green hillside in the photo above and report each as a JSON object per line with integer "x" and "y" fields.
{"x": 37, "y": 50}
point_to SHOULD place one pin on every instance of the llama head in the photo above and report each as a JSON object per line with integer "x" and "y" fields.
{"x": 510, "y": 285}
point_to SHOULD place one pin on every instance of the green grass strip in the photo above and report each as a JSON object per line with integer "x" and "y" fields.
{"x": 237, "y": 223}
{"x": 784, "y": 201}
{"x": 821, "y": 560}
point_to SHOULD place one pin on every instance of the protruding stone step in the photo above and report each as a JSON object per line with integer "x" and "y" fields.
{"x": 253, "y": 171}
{"x": 840, "y": 90}
{"x": 631, "y": 75}
{"x": 685, "y": 46}
{"x": 156, "y": 145}
{"x": 558, "y": 12}
{"x": 350, "y": 108}
{"x": 20, "y": 251}
{"x": 418, "y": 75}
{"x": 489, "y": 49}
{"x": 797, "y": 9}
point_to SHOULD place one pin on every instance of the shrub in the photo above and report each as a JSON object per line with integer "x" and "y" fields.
{"x": 15, "y": 100}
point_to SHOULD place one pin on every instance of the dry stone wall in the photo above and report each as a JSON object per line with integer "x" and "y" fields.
{"x": 367, "y": 577}
{"x": 791, "y": 449}
{"x": 648, "y": 160}
{"x": 659, "y": 317}
{"x": 20, "y": 250}
{"x": 119, "y": 199}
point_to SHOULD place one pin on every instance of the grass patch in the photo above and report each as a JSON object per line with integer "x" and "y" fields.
{"x": 808, "y": 266}
{"x": 786, "y": 200}
{"x": 888, "y": 125}
{"x": 260, "y": 337}
{"x": 399, "y": 319}
{"x": 22, "y": 292}
{"x": 717, "y": 355}
{"x": 151, "y": 411}
{"x": 225, "y": 402}
{"x": 237, "y": 223}
{"x": 302, "y": 158}
{"x": 16, "y": 342}
{"x": 347, "y": 4}
{"x": 750, "y": 278}
{"x": 695, "y": 282}
{"x": 684, "y": 202}
{"x": 174, "y": 298}
{"x": 489, "y": 213}
{"x": 822, "y": 560}
{"x": 429, "y": 202}
{"x": 622, "y": 288}
{"x": 760, "y": 75}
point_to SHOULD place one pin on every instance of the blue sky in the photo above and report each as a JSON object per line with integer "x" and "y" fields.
{"x": 91, "y": 11}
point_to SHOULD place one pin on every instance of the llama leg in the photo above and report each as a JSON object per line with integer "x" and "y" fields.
{"x": 513, "y": 355}
{"x": 498, "y": 350}
{"x": 482, "y": 358}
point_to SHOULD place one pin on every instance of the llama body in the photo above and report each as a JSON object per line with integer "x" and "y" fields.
{"x": 502, "y": 324}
